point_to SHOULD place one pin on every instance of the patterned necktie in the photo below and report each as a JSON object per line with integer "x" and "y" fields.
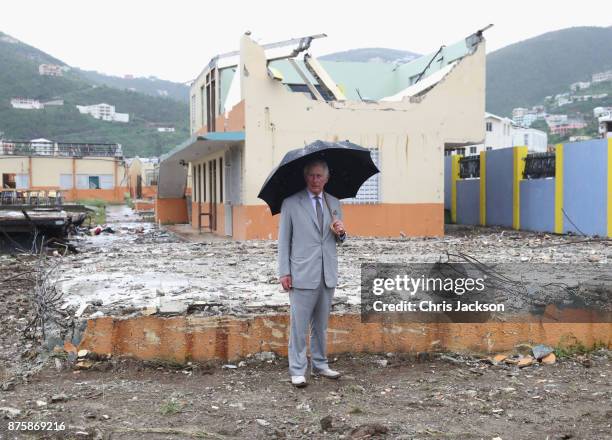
{"x": 319, "y": 213}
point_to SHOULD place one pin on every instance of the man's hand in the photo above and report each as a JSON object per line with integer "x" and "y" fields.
{"x": 286, "y": 282}
{"x": 338, "y": 227}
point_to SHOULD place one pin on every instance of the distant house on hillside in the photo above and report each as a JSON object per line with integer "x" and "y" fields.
{"x": 50, "y": 70}
{"x": 103, "y": 111}
{"x": 580, "y": 85}
{"x": 524, "y": 117}
{"x": 26, "y": 103}
{"x": 602, "y": 76}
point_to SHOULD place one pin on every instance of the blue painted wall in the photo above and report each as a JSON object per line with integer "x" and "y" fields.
{"x": 499, "y": 187}
{"x": 447, "y": 182}
{"x": 585, "y": 187}
{"x": 538, "y": 205}
{"x": 468, "y": 202}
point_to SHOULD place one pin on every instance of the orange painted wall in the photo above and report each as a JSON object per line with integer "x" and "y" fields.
{"x": 234, "y": 121}
{"x": 116, "y": 195}
{"x": 380, "y": 220}
{"x": 389, "y": 220}
{"x": 170, "y": 211}
{"x": 185, "y": 338}
{"x": 254, "y": 222}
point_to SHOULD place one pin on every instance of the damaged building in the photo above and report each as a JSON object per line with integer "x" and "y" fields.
{"x": 70, "y": 170}
{"x": 250, "y": 107}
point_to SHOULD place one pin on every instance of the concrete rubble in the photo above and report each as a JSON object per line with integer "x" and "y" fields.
{"x": 143, "y": 270}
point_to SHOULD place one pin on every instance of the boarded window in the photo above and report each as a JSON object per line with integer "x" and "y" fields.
{"x": 369, "y": 191}
{"x": 65, "y": 181}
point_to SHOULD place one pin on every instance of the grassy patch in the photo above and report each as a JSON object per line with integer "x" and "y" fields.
{"x": 99, "y": 206}
{"x": 567, "y": 348}
{"x": 170, "y": 407}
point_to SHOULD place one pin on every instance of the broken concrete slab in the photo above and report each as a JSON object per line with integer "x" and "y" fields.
{"x": 540, "y": 351}
{"x": 525, "y": 361}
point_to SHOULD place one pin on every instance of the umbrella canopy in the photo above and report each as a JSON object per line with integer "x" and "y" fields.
{"x": 349, "y": 167}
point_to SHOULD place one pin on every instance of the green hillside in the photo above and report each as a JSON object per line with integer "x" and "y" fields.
{"x": 522, "y": 74}
{"x": 149, "y": 86}
{"x": 19, "y": 77}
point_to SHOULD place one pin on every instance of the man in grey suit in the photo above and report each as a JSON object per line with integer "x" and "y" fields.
{"x": 310, "y": 228}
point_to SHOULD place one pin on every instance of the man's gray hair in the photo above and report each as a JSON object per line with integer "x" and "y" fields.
{"x": 316, "y": 162}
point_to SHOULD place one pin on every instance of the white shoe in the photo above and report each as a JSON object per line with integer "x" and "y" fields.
{"x": 298, "y": 381}
{"x": 328, "y": 372}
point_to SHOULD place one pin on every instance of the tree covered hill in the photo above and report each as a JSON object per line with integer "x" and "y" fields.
{"x": 523, "y": 73}
{"x": 19, "y": 77}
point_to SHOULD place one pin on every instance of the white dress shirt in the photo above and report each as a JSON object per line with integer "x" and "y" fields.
{"x": 313, "y": 201}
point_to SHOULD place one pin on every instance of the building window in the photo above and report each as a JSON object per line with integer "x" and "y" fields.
{"x": 489, "y": 126}
{"x": 489, "y": 148}
{"x": 65, "y": 181}
{"x": 369, "y": 191}
{"x": 95, "y": 181}
{"x": 461, "y": 151}
{"x": 8, "y": 181}
{"x": 526, "y": 139}
{"x": 22, "y": 181}
{"x": 473, "y": 150}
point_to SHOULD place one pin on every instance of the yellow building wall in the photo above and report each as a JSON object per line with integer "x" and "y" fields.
{"x": 14, "y": 165}
{"x": 46, "y": 171}
{"x": 45, "y": 174}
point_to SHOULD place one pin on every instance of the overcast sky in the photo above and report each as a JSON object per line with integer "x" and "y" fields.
{"x": 175, "y": 39}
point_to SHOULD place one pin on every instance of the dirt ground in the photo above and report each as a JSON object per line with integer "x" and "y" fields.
{"x": 402, "y": 398}
{"x": 429, "y": 396}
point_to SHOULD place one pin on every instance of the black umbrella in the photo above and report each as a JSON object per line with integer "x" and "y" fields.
{"x": 349, "y": 166}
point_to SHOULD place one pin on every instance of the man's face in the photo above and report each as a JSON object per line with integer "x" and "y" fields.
{"x": 316, "y": 179}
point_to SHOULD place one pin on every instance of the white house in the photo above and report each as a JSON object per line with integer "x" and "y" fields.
{"x": 600, "y": 111}
{"x": 580, "y": 85}
{"x": 26, "y": 103}
{"x": 602, "y": 76}
{"x": 536, "y": 141}
{"x": 524, "y": 117}
{"x": 500, "y": 132}
{"x": 50, "y": 70}
{"x": 103, "y": 111}
{"x": 605, "y": 124}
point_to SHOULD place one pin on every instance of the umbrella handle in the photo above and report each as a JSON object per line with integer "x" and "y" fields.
{"x": 333, "y": 217}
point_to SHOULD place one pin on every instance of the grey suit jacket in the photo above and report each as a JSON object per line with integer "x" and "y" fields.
{"x": 302, "y": 251}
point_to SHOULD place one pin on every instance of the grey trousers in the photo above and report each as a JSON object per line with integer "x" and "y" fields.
{"x": 309, "y": 307}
